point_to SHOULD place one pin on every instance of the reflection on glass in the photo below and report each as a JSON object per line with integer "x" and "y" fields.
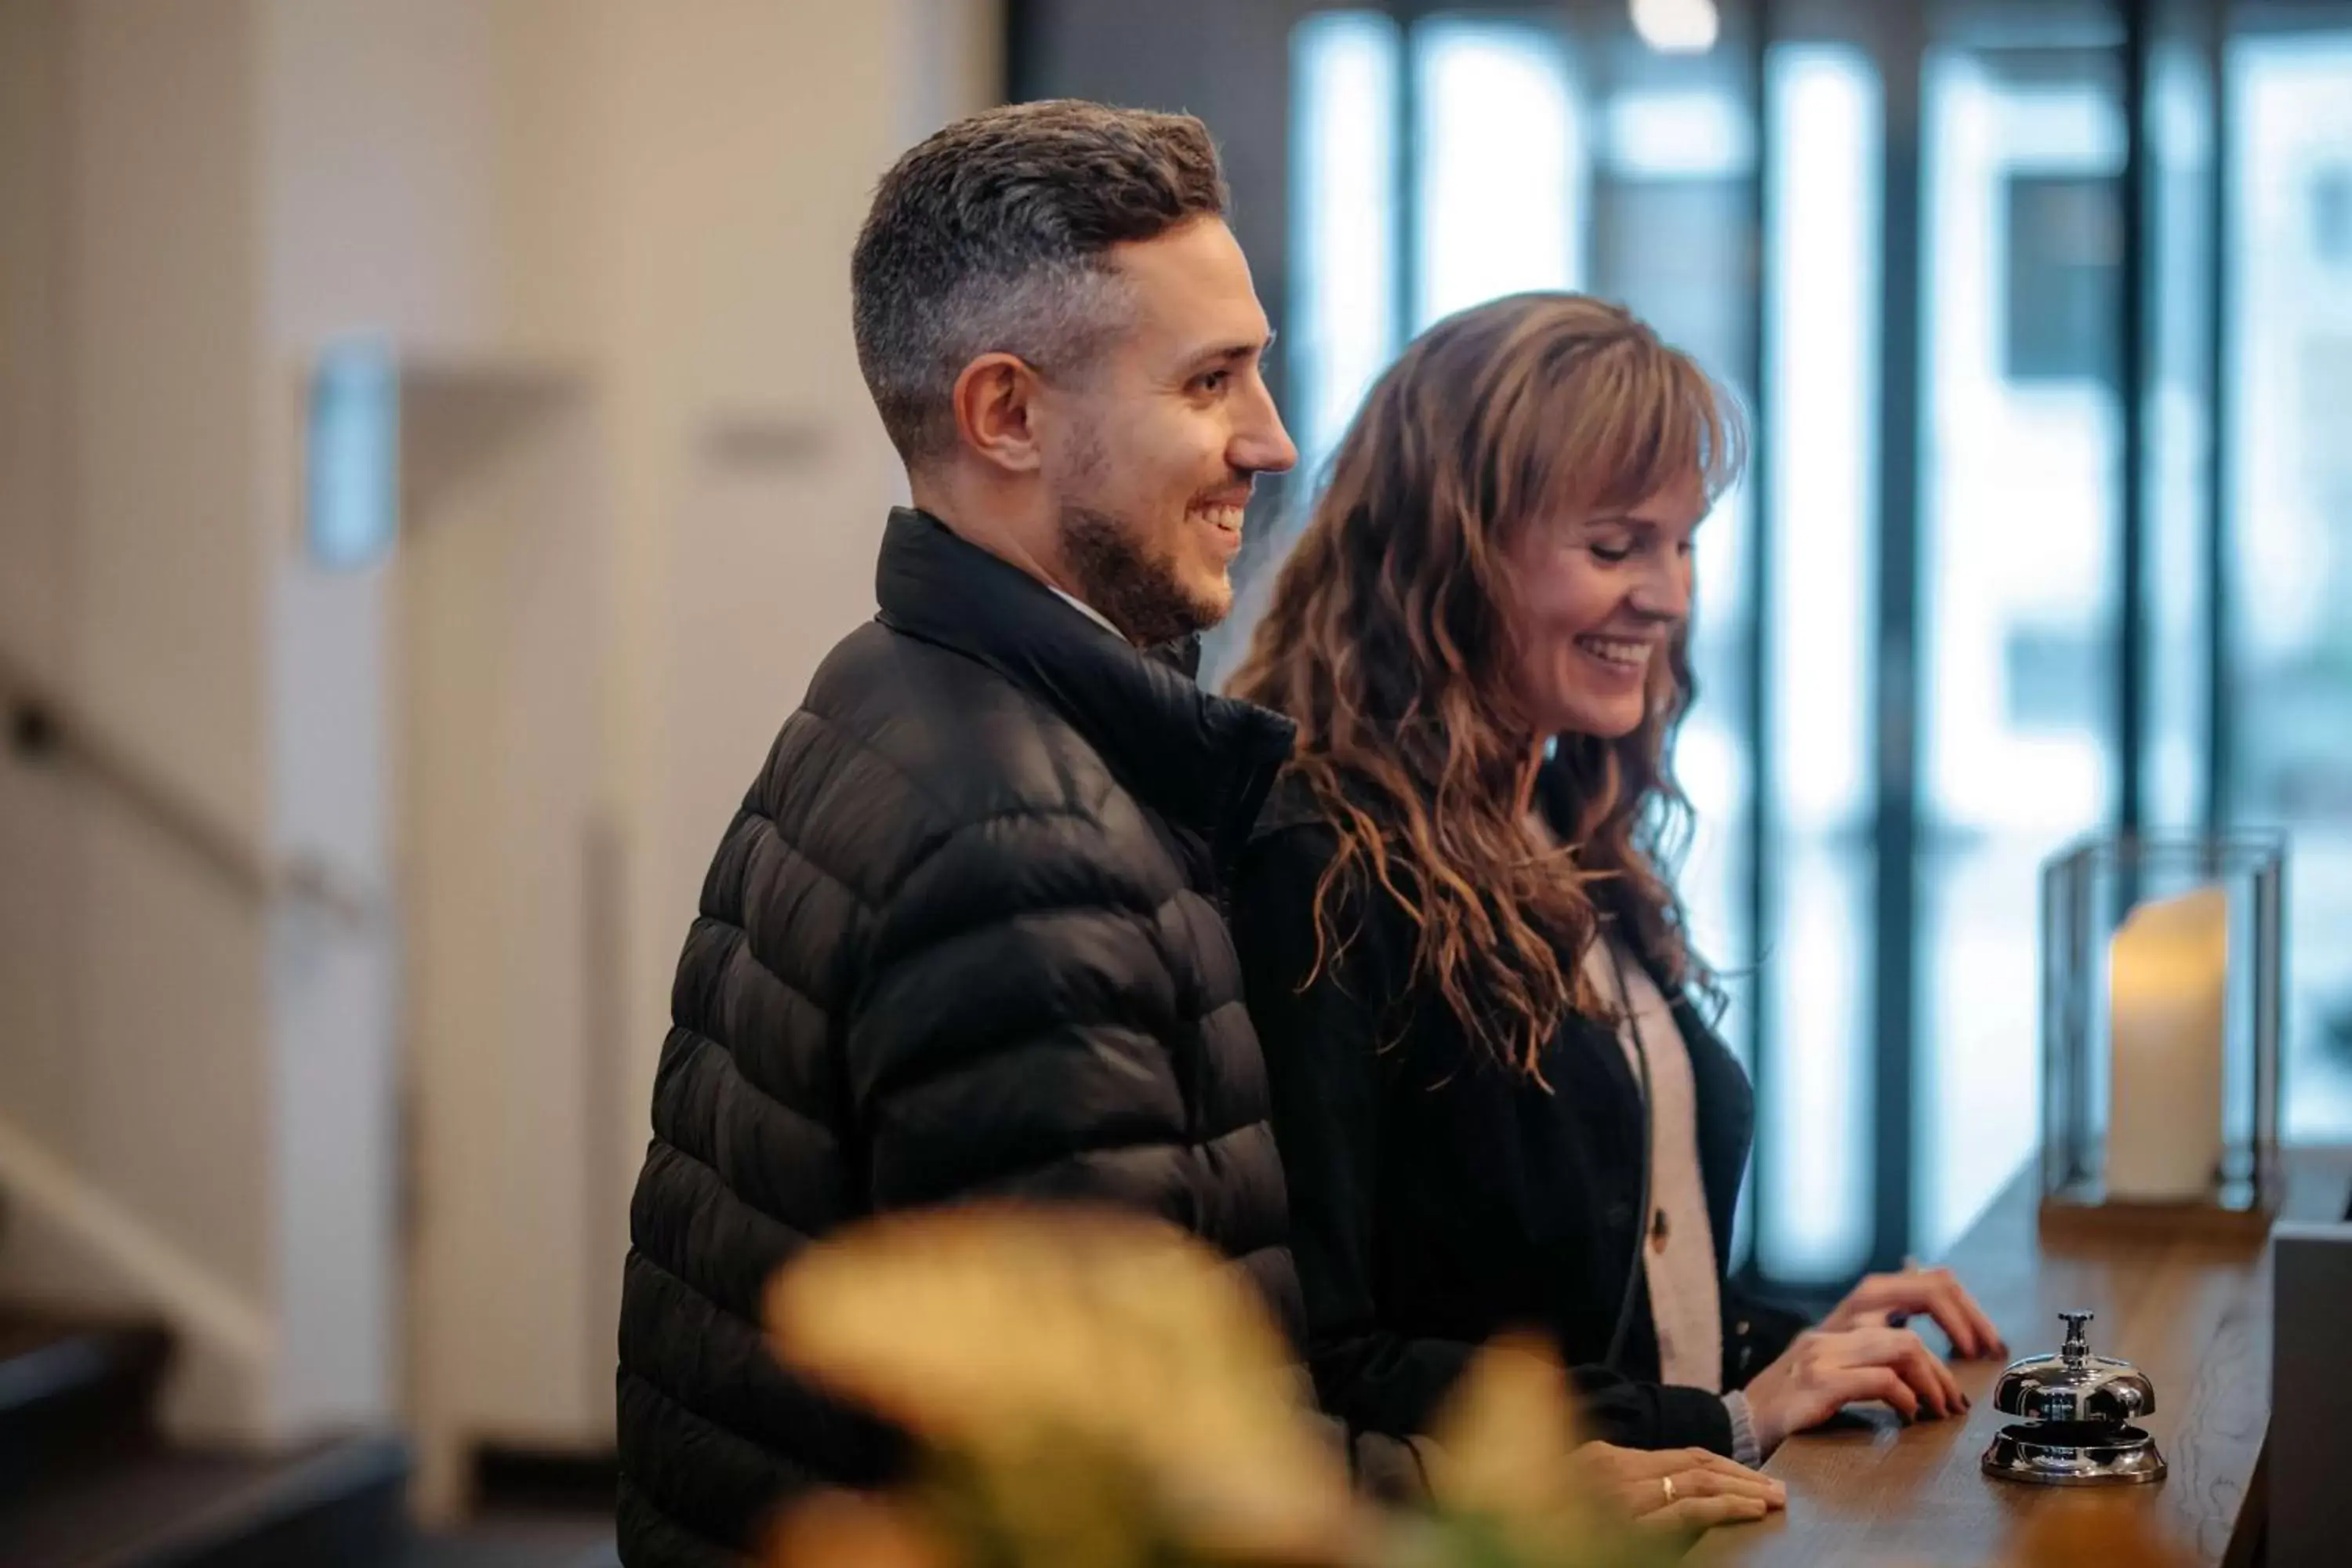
{"x": 2291, "y": 522}
{"x": 1822, "y": 332}
{"x": 2023, "y": 249}
{"x": 1503, "y": 182}
{"x": 1339, "y": 333}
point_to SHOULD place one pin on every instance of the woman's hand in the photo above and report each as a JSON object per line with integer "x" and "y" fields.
{"x": 1825, "y": 1370}
{"x": 1937, "y": 1293}
{"x": 1679, "y": 1488}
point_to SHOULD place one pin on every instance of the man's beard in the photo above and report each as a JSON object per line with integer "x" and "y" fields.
{"x": 1140, "y": 596}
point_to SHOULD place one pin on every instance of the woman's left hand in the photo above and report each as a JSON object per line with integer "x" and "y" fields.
{"x": 1922, "y": 1292}
{"x": 1674, "y": 1489}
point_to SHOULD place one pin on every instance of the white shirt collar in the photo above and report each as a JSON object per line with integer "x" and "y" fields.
{"x": 1088, "y": 611}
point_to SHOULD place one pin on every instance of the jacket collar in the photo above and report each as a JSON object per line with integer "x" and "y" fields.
{"x": 1202, "y": 760}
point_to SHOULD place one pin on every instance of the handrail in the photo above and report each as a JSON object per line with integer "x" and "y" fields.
{"x": 199, "y": 1299}
{"x": 45, "y": 727}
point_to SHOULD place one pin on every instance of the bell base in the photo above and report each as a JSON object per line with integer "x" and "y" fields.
{"x": 2075, "y": 1454}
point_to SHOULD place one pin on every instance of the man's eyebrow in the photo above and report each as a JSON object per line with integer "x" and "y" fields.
{"x": 1228, "y": 352}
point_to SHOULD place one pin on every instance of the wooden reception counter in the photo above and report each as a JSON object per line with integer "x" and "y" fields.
{"x": 2193, "y": 1313}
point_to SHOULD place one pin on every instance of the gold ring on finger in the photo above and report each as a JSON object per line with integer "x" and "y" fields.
{"x": 1669, "y": 1483}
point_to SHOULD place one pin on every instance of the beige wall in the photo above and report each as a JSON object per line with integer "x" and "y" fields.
{"x": 752, "y": 470}
{"x": 36, "y": 1063}
{"x": 141, "y": 991}
{"x": 609, "y": 241}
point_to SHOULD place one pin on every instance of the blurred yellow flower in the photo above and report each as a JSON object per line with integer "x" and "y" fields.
{"x": 848, "y": 1530}
{"x": 1071, "y": 1354}
{"x": 1505, "y": 1434}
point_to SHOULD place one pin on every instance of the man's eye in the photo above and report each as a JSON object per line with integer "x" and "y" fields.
{"x": 1214, "y": 381}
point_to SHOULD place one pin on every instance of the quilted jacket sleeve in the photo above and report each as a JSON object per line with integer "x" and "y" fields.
{"x": 1012, "y": 1035}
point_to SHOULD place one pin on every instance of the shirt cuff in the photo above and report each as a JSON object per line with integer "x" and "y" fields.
{"x": 1743, "y": 1431}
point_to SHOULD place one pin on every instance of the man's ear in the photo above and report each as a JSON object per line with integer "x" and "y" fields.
{"x": 996, "y": 403}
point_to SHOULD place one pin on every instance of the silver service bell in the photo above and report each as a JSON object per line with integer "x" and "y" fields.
{"x": 2077, "y": 1415}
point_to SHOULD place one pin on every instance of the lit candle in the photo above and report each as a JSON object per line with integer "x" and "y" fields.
{"x": 2167, "y": 968}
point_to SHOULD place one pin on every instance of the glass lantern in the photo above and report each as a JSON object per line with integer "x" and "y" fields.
{"x": 2162, "y": 960}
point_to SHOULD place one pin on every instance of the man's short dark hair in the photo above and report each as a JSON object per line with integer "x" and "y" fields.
{"x": 993, "y": 234}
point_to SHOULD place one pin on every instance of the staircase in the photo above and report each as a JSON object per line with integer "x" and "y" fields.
{"x": 87, "y": 1482}
{"x": 87, "y": 1479}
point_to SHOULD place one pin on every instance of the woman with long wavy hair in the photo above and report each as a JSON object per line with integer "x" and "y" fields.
{"x": 1498, "y": 1099}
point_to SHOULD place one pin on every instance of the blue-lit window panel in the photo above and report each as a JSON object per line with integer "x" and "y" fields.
{"x": 351, "y": 461}
{"x": 2290, "y": 525}
{"x": 2020, "y": 454}
{"x": 1339, "y": 331}
{"x": 1672, "y": 202}
{"x": 1821, "y": 354}
{"x": 1502, "y": 194}
{"x": 2177, "y": 466}
{"x": 1712, "y": 762}
{"x": 1672, "y": 197}
{"x": 1695, "y": 132}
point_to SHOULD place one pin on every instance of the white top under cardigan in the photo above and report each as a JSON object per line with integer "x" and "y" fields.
{"x": 1685, "y": 1300}
{"x": 1678, "y": 1258}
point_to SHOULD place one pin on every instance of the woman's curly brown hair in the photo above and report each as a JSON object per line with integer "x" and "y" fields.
{"x": 1389, "y": 641}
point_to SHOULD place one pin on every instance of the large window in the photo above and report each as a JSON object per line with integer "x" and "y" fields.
{"x": 2289, "y": 700}
{"x": 2044, "y": 317}
{"x": 2019, "y": 460}
{"x": 1821, "y": 242}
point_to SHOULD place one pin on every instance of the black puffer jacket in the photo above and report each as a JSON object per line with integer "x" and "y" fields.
{"x": 963, "y": 937}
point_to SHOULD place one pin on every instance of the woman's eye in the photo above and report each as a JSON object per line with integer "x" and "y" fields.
{"x": 1613, "y": 553}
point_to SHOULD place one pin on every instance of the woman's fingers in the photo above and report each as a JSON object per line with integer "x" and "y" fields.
{"x": 1708, "y": 1481}
{"x": 1704, "y": 1467}
{"x": 1935, "y": 1293}
{"x": 1945, "y": 1302}
{"x": 1994, "y": 1345}
{"x": 1637, "y": 1479}
{"x": 1938, "y": 1390}
{"x": 1924, "y": 1370}
{"x": 1909, "y": 1356}
{"x": 1963, "y": 1321}
{"x": 1707, "y": 1458}
{"x": 1706, "y": 1513}
{"x": 1653, "y": 1462}
{"x": 1637, "y": 1463}
{"x": 1860, "y": 1384}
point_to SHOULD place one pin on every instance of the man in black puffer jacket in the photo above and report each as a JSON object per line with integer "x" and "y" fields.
{"x": 964, "y": 937}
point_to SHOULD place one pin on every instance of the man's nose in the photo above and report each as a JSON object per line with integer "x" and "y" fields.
{"x": 1260, "y": 444}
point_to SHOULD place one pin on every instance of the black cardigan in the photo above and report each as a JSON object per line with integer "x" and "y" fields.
{"x": 1438, "y": 1198}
